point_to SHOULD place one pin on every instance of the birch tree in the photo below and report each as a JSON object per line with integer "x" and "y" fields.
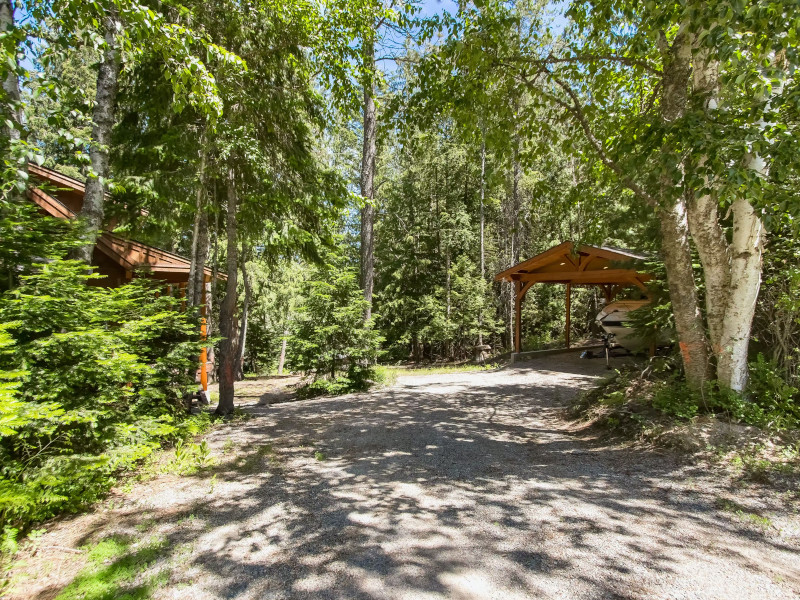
{"x": 639, "y": 82}
{"x": 120, "y": 31}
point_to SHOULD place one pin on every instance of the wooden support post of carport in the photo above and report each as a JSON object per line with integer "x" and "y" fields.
{"x": 569, "y": 299}
{"x": 518, "y": 316}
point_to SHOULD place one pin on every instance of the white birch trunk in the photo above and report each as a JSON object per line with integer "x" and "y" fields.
{"x": 747, "y": 248}
{"x": 103, "y": 116}
{"x": 11, "y": 82}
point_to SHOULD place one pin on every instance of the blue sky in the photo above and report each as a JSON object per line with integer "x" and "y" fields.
{"x": 431, "y": 7}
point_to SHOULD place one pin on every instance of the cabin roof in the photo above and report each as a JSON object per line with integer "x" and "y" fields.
{"x": 127, "y": 253}
{"x": 56, "y": 178}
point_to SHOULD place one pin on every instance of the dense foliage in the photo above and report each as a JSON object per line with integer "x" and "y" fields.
{"x": 94, "y": 379}
{"x": 330, "y": 340}
{"x": 236, "y": 133}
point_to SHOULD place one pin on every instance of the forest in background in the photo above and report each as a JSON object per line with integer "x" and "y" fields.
{"x": 358, "y": 172}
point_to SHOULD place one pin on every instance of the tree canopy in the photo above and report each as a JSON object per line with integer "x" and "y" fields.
{"x": 346, "y": 177}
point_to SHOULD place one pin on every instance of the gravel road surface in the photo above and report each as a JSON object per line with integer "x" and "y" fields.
{"x": 469, "y": 485}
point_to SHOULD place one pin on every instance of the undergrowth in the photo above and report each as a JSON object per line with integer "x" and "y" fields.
{"x": 92, "y": 382}
{"x": 756, "y": 434}
{"x": 117, "y": 570}
{"x": 440, "y": 369}
{"x": 769, "y": 402}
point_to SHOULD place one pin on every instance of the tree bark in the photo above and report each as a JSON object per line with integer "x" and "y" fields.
{"x": 709, "y": 238}
{"x": 368, "y": 156}
{"x": 227, "y": 309}
{"x": 683, "y": 293}
{"x": 248, "y": 292}
{"x": 514, "y": 225}
{"x": 483, "y": 225}
{"x": 11, "y": 91}
{"x": 674, "y": 225}
{"x": 91, "y": 215}
{"x": 450, "y": 344}
{"x": 200, "y": 243}
{"x": 703, "y": 213}
{"x": 13, "y": 130}
{"x": 732, "y": 272}
{"x": 282, "y": 357}
{"x": 747, "y": 249}
{"x": 211, "y": 289}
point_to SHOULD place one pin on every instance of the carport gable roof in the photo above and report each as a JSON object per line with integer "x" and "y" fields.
{"x": 582, "y": 265}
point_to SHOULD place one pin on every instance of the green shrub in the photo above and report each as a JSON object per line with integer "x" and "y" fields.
{"x": 674, "y": 398}
{"x": 385, "y": 376}
{"x": 770, "y": 401}
{"x": 91, "y": 381}
{"x": 330, "y": 340}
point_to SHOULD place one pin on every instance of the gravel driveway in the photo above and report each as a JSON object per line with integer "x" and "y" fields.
{"x": 451, "y": 486}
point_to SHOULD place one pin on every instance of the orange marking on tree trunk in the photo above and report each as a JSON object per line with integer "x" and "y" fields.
{"x": 685, "y": 352}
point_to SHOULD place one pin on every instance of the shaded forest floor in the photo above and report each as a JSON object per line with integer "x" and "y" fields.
{"x": 456, "y": 485}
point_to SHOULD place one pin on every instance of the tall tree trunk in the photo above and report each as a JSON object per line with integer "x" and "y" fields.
{"x": 732, "y": 272}
{"x": 483, "y": 225}
{"x": 227, "y": 309}
{"x": 248, "y": 293}
{"x": 211, "y": 289}
{"x": 712, "y": 247}
{"x": 514, "y": 224}
{"x": 674, "y": 225}
{"x": 747, "y": 249}
{"x": 450, "y": 344}
{"x": 12, "y": 130}
{"x": 11, "y": 113}
{"x": 195, "y": 292}
{"x": 282, "y": 357}
{"x": 703, "y": 212}
{"x": 683, "y": 293}
{"x": 91, "y": 215}
{"x": 368, "y": 155}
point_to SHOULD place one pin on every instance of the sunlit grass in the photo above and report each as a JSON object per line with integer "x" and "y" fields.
{"x": 440, "y": 369}
{"x": 116, "y": 571}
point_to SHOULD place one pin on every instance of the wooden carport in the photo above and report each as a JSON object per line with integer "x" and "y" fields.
{"x": 607, "y": 268}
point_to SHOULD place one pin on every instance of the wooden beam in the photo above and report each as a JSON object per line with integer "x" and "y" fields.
{"x": 566, "y": 251}
{"x": 587, "y": 260}
{"x": 536, "y": 261}
{"x": 569, "y": 300}
{"x": 624, "y": 276}
{"x": 518, "y": 317}
{"x": 528, "y": 285}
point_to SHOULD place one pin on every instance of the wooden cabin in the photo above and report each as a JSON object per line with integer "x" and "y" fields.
{"x": 119, "y": 259}
{"x": 115, "y": 257}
